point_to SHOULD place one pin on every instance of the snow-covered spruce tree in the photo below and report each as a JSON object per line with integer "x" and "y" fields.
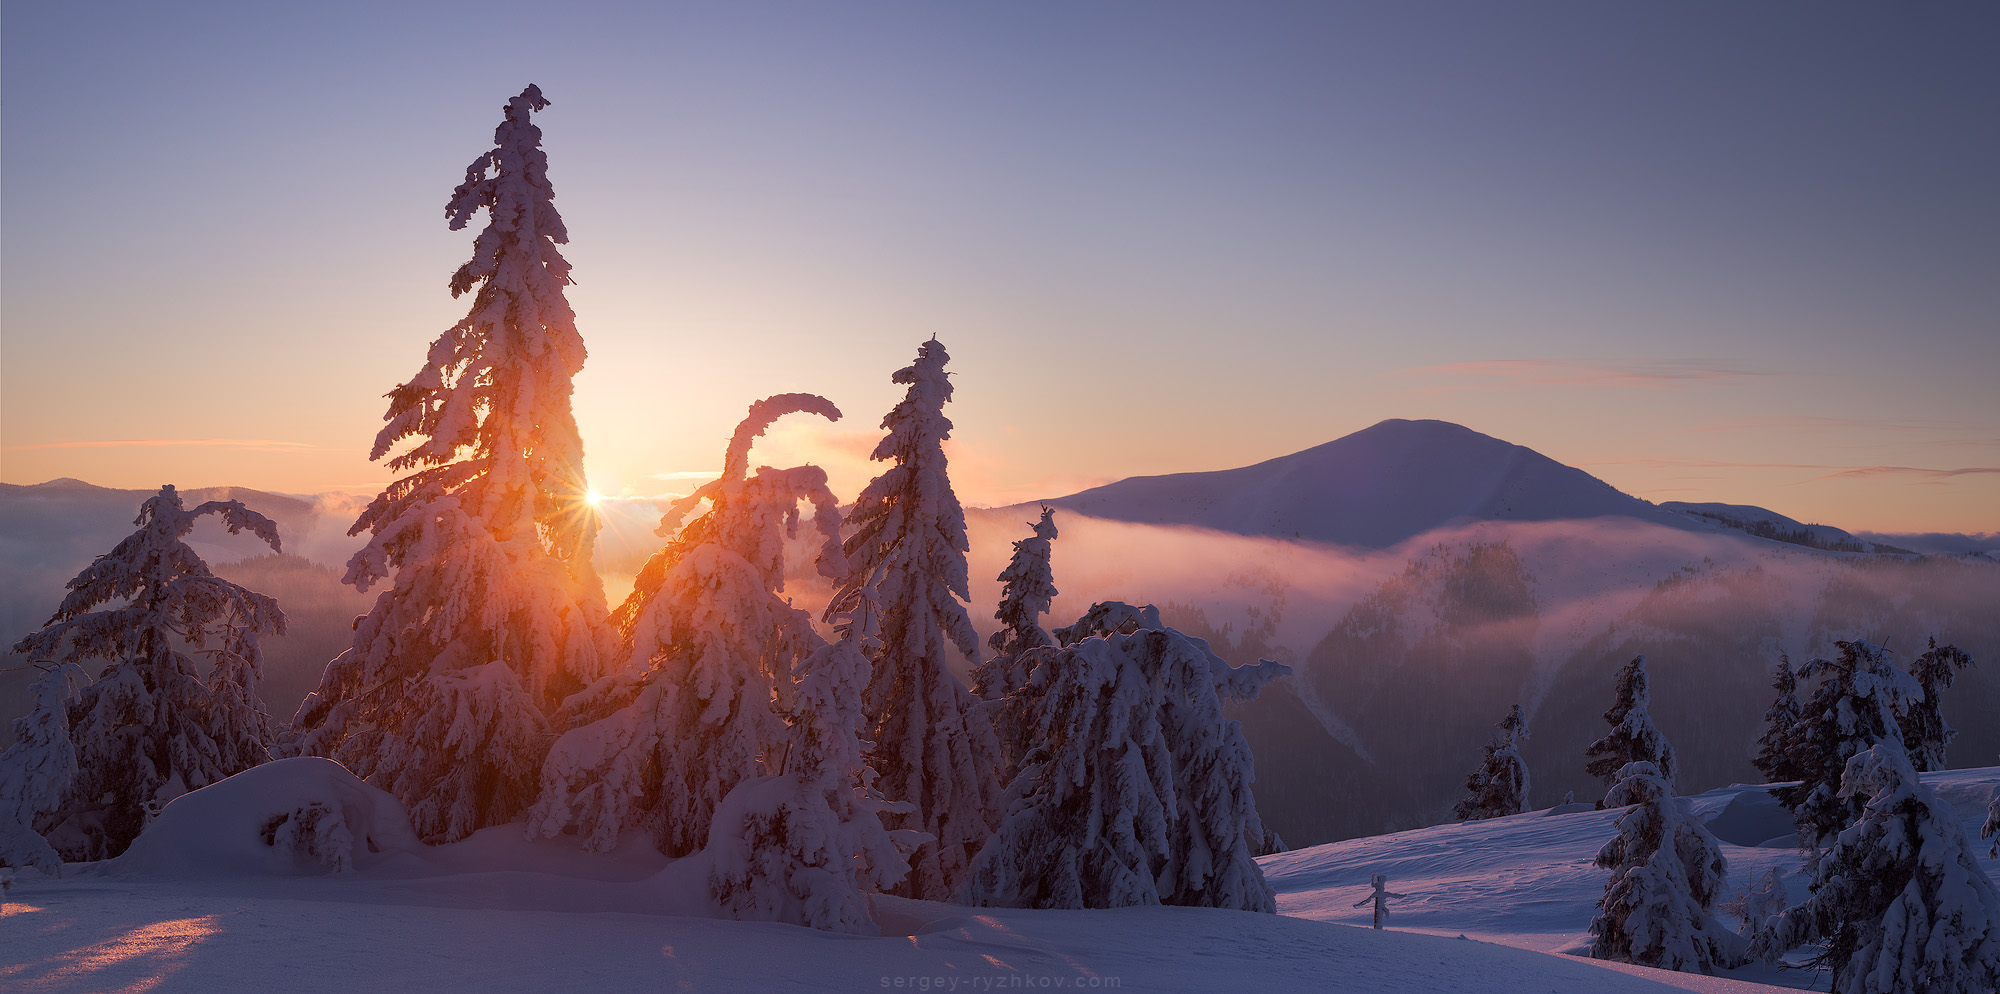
{"x": 36, "y": 771}
{"x": 1027, "y": 589}
{"x": 1137, "y": 787}
{"x": 1853, "y": 708}
{"x": 1500, "y": 786}
{"x": 710, "y": 647}
{"x": 807, "y": 845}
{"x": 1666, "y": 871}
{"x": 1898, "y": 899}
{"x": 149, "y": 728}
{"x": 1633, "y": 737}
{"x": 494, "y": 614}
{"x": 1777, "y": 750}
{"x": 1925, "y": 734}
{"x": 933, "y": 745}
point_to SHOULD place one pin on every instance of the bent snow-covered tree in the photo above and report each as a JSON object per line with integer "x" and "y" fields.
{"x": 494, "y": 614}
{"x": 933, "y": 745}
{"x": 1853, "y": 708}
{"x": 1499, "y": 787}
{"x": 1777, "y": 750}
{"x": 1137, "y": 787}
{"x": 1898, "y": 898}
{"x": 149, "y": 727}
{"x": 807, "y": 845}
{"x": 1666, "y": 870}
{"x": 1921, "y": 720}
{"x": 710, "y": 647}
{"x": 1633, "y": 737}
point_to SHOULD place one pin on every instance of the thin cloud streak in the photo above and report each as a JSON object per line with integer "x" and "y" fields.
{"x": 239, "y": 443}
{"x": 1927, "y": 474}
{"x": 1580, "y": 372}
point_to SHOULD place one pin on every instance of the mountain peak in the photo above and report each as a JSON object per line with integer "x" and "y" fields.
{"x": 1386, "y": 483}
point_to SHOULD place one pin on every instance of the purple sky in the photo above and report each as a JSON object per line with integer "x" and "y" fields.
{"x": 1707, "y": 251}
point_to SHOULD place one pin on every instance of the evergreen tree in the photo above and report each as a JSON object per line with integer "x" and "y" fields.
{"x": 1028, "y": 587}
{"x": 149, "y": 728}
{"x": 807, "y": 845}
{"x": 1633, "y": 737}
{"x": 494, "y": 614}
{"x": 933, "y": 745}
{"x": 1925, "y": 734}
{"x": 1853, "y": 708}
{"x": 1777, "y": 750}
{"x": 1500, "y": 786}
{"x": 1136, "y": 789}
{"x": 36, "y": 771}
{"x": 710, "y": 646}
{"x": 1666, "y": 871}
{"x": 1898, "y": 898}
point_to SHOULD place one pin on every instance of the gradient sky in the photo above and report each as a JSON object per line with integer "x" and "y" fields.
{"x": 1706, "y": 251}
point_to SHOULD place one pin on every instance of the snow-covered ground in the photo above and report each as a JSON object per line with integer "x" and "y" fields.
{"x": 1529, "y": 880}
{"x": 499, "y": 913}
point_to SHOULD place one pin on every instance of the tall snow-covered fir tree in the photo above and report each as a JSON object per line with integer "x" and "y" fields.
{"x": 710, "y": 648}
{"x": 1853, "y": 708}
{"x": 933, "y": 745}
{"x": 807, "y": 845}
{"x": 1777, "y": 750}
{"x": 1898, "y": 898}
{"x": 494, "y": 614}
{"x": 1633, "y": 737}
{"x": 1499, "y": 787}
{"x": 1921, "y": 720}
{"x": 1136, "y": 789}
{"x": 149, "y": 727}
{"x": 1666, "y": 870}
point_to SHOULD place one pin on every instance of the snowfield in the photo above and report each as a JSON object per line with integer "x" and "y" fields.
{"x": 222, "y": 910}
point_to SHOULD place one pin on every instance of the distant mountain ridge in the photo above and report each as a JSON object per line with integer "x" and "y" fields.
{"x": 1399, "y": 479}
{"x": 1373, "y": 489}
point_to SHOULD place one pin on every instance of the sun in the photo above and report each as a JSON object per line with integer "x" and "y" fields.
{"x": 593, "y": 498}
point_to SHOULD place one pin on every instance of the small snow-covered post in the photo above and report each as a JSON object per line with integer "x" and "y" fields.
{"x": 1380, "y": 897}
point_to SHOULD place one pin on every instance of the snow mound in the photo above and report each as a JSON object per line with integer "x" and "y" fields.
{"x": 293, "y": 817}
{"x": 1754, "y": 818}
